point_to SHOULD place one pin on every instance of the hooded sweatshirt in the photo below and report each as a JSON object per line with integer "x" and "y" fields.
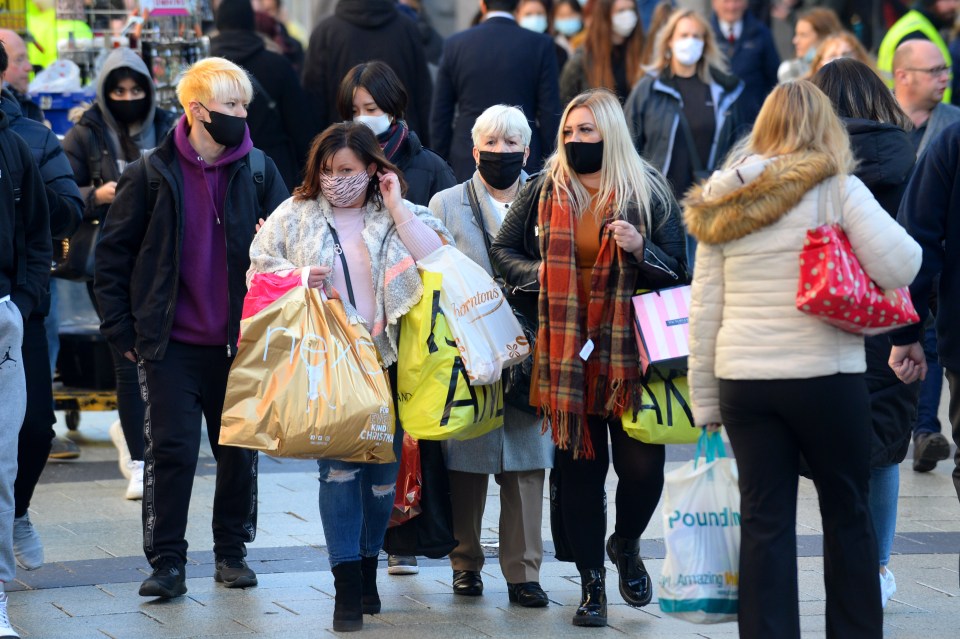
{"x": 142, "y": 133}
{"x": 202, "y": 308}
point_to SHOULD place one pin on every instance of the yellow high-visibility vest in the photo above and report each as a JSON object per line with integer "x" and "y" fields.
{"x": 48, "y": 31}
{"x": 910, "y": 22}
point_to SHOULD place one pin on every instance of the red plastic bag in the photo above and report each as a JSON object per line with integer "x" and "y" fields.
{"x": 267, "y": 288}
{"x": 406, "y": 501}
{"x": 834, "y": 288}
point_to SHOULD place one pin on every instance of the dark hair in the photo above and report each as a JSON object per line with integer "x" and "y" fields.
{"x": 346, "y": 135}
{"x": 856, "y": 91}
{"x": 501, "y": 5}
{"x": 573, "y": 4}
{"x": 124, "y": 73}
{"x": 4, "y": 61}
{"x": 381, "y": 83}
{"x": 236, "y": 15}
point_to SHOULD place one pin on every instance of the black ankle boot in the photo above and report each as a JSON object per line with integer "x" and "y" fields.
{"x": 347, "y": 607}
{"x": 593, "y": 599}
{"x": 635, "y": 585}
{"x": 370, "y": 600}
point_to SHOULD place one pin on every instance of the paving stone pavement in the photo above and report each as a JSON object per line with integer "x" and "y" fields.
{"x": 88, "y": 588}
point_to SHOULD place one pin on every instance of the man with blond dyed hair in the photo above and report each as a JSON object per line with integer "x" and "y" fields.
{"x": 170, "y": 282}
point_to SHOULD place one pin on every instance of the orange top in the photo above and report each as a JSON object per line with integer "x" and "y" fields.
{"x": 587, "y": 241}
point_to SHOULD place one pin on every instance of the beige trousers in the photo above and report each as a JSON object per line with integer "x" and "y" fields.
{"x": 521, "y": 513}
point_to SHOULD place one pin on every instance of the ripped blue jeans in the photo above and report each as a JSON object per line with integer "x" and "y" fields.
{"x": 355, "y": 504}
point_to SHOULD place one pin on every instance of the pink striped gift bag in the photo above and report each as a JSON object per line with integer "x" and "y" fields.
{"x": 661, "y": 323}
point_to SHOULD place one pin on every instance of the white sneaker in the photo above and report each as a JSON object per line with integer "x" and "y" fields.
{"x": 888, "y": 586}
{"x": 116, "y": 436}
{"x": 135, "y": 486}
{"x": 6, "y": 628}
{"x": 27, "y": 547}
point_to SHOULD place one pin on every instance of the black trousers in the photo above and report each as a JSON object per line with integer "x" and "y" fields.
{"x": 953, "y": 412}
{"x": 188, "y": 382}
{"x": 130, "y": 407}
{"x": 36, "y": 434}
{"x": 828, "y": 420}
{"x": 583, "y": 497}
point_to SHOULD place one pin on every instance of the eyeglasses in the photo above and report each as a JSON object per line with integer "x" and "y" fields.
{"x": 934, "y": 71}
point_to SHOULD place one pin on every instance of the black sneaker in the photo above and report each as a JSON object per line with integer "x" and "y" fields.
{"x": 233, "y": 572}
{"x": 168, "y": 580}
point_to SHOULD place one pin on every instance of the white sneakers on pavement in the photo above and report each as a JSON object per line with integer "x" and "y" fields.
{"x": 888, "y": 586}
{"x": 6, "y": 628}
{"x": 27, "y": 547}
{"x": 135, "y": 485}
{"x": 116, "y": 436}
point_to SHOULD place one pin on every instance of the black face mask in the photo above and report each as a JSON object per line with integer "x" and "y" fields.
{"x": 129, "y": 111}
{"x": 500, "y": 170}
{"x": 584, "y": 157}
{"x": 226, "y": 130}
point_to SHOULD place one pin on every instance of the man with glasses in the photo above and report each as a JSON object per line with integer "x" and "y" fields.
{"x": 920, "y": 77}
{"x": 928, "y": 20}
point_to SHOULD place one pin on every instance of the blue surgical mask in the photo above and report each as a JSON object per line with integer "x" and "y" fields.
{"x": 537, "y": 23}
{"x": 568, "y": 26}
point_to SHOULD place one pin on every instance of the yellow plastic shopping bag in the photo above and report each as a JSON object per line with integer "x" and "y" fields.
{"x": 665, "y": 416}
{"x": 307, "y": 383}
{"x": 435, "y": 398}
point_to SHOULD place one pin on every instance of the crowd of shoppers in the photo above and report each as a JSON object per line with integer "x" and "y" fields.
{"x": 577, "y": 154}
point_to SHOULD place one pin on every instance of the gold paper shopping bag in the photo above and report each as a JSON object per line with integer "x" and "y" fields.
{"x": 306, "y": 383}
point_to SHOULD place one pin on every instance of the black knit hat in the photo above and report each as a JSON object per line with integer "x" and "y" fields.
{"x": 235, "y": 15}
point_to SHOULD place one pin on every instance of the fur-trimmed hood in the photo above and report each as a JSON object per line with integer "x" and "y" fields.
{"x": 752, "y": 194}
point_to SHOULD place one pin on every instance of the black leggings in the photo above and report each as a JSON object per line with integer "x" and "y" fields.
{"x": 583, "y": 497}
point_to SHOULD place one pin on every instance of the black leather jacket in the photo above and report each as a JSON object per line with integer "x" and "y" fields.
{"x": 516, "y": 251}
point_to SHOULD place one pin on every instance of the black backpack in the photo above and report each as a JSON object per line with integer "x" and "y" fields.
{"x": 257, "y": 162}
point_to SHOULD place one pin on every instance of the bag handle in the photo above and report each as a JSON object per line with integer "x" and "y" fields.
{"x": 711, "y": 446}
{"x": 822, "y": 217}
{"x": 338, "y": 249}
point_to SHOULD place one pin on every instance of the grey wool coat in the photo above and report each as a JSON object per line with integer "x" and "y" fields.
{"x": 519, "y": 445}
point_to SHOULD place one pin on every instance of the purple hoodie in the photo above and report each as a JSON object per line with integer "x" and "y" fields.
{"x": 202, "y": 308}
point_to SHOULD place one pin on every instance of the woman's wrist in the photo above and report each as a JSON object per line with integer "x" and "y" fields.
{"x": 400, "y": 213}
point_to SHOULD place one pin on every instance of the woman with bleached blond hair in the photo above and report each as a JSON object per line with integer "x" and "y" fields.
{"x": 596, "y": 223}
{"x": 683, "y": 114}
{"x": 782, "y": 382}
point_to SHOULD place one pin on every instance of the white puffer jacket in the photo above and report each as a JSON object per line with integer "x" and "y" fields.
{"x": 750, "y": 222}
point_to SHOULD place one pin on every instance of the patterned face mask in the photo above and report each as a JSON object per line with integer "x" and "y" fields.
{"x": 343, "y": 190}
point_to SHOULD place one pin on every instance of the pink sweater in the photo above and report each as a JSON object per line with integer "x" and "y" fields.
{"x": 419, "y": 239}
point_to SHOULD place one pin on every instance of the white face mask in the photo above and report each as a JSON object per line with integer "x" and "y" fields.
{"x": 377, "y": 123}
{"x": 536, "y": 23}
{"x": 687, "y": 51}
{"x": 624, "y": 23}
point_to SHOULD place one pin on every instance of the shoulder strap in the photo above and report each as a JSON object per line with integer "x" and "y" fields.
{"x": 257, "y": 166}
{"x": 259, "y": 90}
{"x": 477, "y": 212}
{"x": 153, "y": 180}
{"x": 93, "y": 148}
{"x": 343, "y": 260}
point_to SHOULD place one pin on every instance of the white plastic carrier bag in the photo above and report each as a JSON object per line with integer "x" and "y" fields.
{"x": 481, "y": 321}
{"x": 701, "y": 530}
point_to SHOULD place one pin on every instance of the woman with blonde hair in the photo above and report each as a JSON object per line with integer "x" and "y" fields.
{"x": 812, "y": 27}
{"x": 683, "y": 114}
{"x": 783, "y": 382}
{"x": 610, "y": 56}
{"x": 842, "y": 44}
{"x": 597, "y": 223}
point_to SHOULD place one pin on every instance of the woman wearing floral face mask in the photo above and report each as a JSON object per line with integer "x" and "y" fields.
{"x": 597, "y": 223}
{"x": 349, "y": 226}
{"x": 610, "y": 55}
{"x": 683, "y": 115}
{"x": 372, "y": 93}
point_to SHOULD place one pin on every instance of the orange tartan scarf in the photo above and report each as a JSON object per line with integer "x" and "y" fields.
{"x": 609, "y": 381}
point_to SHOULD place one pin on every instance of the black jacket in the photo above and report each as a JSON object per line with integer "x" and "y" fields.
{"x": 85, "y": 156}
{"x": 138, "y": 257}
{"x": 426, "y": 172}
{"x": 279, "y": 117}
{"x": 930, "y": 212}
{"x": 885, "y": 162}
{"x": 495, "y": 62}
{"x": 515, "y": 252}
{"x": 360, "y": 31}
{"x": 753, "y": 59}
{"x": 24, "y": 270}
{"x": 63, "y": 196}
